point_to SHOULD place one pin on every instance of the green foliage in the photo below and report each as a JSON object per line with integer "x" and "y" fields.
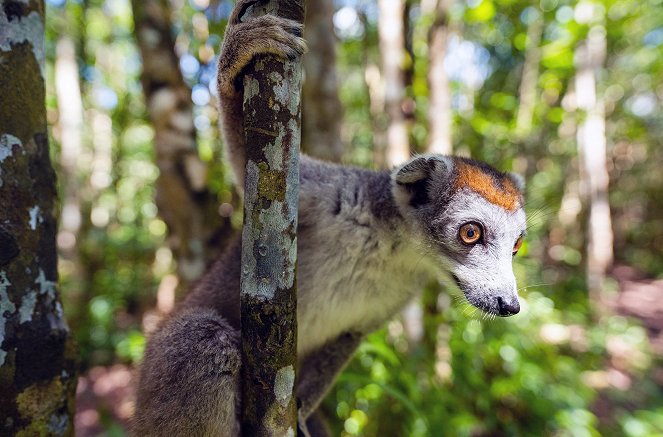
{"x": 530, "y": 375}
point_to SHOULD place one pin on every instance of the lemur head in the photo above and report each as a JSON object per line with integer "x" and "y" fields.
{"x": 471, "y": 216}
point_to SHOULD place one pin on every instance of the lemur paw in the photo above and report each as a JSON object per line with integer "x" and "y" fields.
{"x": 267, "y": 34}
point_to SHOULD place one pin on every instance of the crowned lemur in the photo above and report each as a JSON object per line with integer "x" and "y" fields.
{"x": 367, "y": 242}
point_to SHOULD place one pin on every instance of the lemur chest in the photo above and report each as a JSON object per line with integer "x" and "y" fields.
{"x": 352, "y": 282}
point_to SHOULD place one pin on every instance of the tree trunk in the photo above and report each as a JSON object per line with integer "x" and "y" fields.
{"x": 590, "y": 57}
{"x": 528, "y": 83}
{"x": 392, "y": 50}
{"x": 196, "y": 230}
{"x": 439, "y": 111}
{"x": 70, "y": 129}
{"x": 37, "y": 357}
{"x": 70, "y": 123}
{"x": 323, "y": 113}
{"x": 272, "y": 124}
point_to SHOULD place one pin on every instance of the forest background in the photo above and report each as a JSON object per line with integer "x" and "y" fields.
{"x": 566, "y": 93}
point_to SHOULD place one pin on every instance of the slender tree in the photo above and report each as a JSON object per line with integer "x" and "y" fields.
{"x": 392, "y": 50}
{"x": 70, "y": 126}
{"x": 529, "y": 79}
{"x": 592, "y": 149}
{"x": 272, "y": 124}
{"x": 37, "y": 358}
{"x": 185, "y": 203}
{"x": 439, "y": 111}
{"x": 323, "y": 112}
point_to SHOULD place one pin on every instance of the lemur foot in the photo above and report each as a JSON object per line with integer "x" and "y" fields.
{"x": 267, "y": 34}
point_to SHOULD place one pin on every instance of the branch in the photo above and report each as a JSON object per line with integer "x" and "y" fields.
{"x": 272, "y": 123}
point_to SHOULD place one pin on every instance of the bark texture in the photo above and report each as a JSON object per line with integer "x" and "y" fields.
{"x": 196, "y": 231}
{"x": 37, "y": 357}
{"x": 592, "y": 149}
{"x": 323, "y": 113}
{"x": 272, "y": 123}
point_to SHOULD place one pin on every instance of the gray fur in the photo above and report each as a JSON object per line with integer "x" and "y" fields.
{"x": 367, "y": 242}
{"x": 192, "y": 382}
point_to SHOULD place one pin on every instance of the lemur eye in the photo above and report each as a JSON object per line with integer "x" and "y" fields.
{"x": 516, "y": 247}
{"x": 470, "y": 233}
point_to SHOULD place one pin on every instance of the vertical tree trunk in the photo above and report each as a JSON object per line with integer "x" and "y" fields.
{"x": 272, "y": 124}
{"x": 37, "y": 358}
{"x": 184, "y": 201}
{"x": 590, "y": 57}
{"x": 392, "y": 50}
{"x": 70, "y": 121}
{"x": 323, "y": 112}
{"x": 70, "y": 127}
{"x": 528, "y": 83}
{"x": 439, "y": 111}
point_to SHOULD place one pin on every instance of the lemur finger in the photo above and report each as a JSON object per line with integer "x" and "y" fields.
{"x": 267, "y": 34}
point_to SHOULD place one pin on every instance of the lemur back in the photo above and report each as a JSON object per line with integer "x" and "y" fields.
{"x": 367, "y": 242}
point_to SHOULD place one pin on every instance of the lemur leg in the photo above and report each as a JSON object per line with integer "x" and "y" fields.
{"x": 317, "y": 425}
{"x": 242, "y": 42}
{"x": 189, "y": 380}
{"x": 317, "y": 373}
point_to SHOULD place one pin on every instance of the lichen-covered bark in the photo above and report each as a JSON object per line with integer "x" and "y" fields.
{"x": 196, "y": 231}
{"x": 37, "y": 358}
{"x": 323, "y": 112}
{"x": 269, "y": 244}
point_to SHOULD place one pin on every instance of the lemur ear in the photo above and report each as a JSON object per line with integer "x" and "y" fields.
{"x": 413, "y": 179}
{"x": 518, "y": 181}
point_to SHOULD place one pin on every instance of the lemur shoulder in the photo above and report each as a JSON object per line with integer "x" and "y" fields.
{"x": 367, "y": 242}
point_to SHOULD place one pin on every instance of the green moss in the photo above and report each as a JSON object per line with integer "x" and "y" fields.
{"x": 8, "y": 369}
{"x": 37, "y": 404}
{"x": 22, "y": 112}
{"x": 271, "y": 185}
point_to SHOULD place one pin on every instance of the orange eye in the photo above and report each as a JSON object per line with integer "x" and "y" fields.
{"x": 516, "y": 247}
{"x": 470, "y": 233}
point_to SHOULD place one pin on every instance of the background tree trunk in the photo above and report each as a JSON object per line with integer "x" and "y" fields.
{"x": 529, "y": 80}
{"x": 272, "y": 123}
{"x": 70, "y": 124}
{"x": 590, "y": 57}
{"x": 37, "y": 358}
{"x": 196, "y": 230}
{"x": 73, "y": 223}
{"x": 392, "y": 50}
{"x": 439, "y": 112}
{"x": 322, "y": 109}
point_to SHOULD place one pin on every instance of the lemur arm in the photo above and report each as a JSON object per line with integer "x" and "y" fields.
{"x": 244, "y": 41}
{"x": 318, "y": 371}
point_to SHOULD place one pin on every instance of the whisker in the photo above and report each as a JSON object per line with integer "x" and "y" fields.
{"x": 534, "y": 285}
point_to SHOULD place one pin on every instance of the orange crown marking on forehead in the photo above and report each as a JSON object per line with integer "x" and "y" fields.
{"x": 502, "y": 193}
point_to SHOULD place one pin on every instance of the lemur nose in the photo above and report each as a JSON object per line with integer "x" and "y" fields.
{"x": 507, "y": 309}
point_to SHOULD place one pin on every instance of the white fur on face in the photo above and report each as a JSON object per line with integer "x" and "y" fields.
{"x": 483, "y": 271}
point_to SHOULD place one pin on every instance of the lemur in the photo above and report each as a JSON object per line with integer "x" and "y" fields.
{"x": 367, "y": 242}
